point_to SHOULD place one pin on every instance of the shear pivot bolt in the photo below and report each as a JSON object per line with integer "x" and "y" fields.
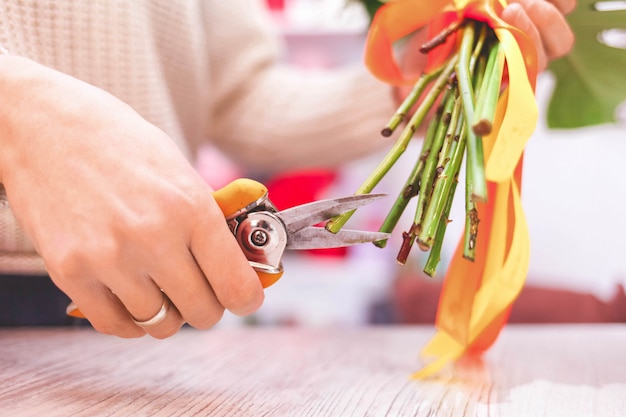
{"x": 258, "y": 238}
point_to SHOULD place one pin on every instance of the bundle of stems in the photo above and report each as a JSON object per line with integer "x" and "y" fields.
{"x": 465, "y": 91}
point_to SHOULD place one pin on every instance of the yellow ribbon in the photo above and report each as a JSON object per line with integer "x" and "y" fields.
{"x": 476, "y": 296}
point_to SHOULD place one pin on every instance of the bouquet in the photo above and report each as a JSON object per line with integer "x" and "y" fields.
{"x": 480, "y": 78}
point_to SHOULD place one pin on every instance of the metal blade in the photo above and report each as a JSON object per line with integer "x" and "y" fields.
{"x": 320, "y": 238}
{"x": 299, "y": 217}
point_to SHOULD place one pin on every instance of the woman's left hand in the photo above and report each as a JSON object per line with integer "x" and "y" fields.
{"x": 544, "y": 21}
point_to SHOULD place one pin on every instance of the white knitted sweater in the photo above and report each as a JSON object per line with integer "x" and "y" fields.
{"x": 201, "y": 70}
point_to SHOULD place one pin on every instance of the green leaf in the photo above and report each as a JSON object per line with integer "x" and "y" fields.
{"x": 591, "y": 79}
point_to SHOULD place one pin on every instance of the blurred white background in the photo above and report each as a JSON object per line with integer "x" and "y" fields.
{"x": 574, "y": 195}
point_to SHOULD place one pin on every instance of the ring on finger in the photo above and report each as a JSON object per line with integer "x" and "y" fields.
{"x": 158, "y": 317}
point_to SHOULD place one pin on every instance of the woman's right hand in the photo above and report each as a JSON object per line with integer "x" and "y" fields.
{"x": 114, "y": 208}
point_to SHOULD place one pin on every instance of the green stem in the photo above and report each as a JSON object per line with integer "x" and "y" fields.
{"x": 435, "y": 252}
{"x": 443, "y": 184}
{"x": 487, "y": 97}
{"x": 426, "y": 180}
{"x": 471, "y": 230}
{"x": 475, "y": 157}
{"x": 335, "y": 224}
{"x": 471, "y": 219}
{"x": 478, "y": 46}
{"x": 430, "y": 168}
{"x": 479, "y": 76}
{"x": 410, "y": 100}
{"x": 455, "y": 116}
{"x": 411, "y": 186}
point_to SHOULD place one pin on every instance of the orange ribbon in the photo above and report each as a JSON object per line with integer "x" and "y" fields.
{"x": 476, "y": 296}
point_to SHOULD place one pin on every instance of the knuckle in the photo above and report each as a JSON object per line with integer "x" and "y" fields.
{"x": 65, "y": 260}
{"x": 74, "y": 257}
{"x": 516, "y": 15}
{"x": 540, "y": 12}
{"x": 206, "y": 321}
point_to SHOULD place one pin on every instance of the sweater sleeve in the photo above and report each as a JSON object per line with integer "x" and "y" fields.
{"x": 270, "y": 116}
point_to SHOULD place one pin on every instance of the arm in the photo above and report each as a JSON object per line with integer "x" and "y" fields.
{"x": 272, "y": 116}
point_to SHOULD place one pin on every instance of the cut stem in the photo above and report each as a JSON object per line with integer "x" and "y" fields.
{"x": 410, "y": 100}
{"x": 475, "y": 157}
{"x": 487, "y": 97}
{"x": 448, "y": 174}
{"x": 471, "y": 219}
{"x": 335, "y": 224}
{"x": 412, "y": 185}
{"x": 434, "y": 256}
{"x": 440, "y": 128}
{"x": 428, "y": 176}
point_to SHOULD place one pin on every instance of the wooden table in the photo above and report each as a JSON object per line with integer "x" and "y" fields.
{"x": 531, "y": 371}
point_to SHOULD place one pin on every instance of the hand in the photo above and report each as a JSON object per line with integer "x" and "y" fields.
{"x": 113, "y": 207}
{"x": 544, "y": 21}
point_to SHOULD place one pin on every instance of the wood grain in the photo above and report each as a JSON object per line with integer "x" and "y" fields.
{"x": 531, "y": 371}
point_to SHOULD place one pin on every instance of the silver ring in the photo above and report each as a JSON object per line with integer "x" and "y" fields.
{"x": 158, "y": 317}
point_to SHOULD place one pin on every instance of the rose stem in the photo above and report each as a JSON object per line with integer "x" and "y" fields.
{"x": 471, "y": 233}
{"x": 447, "y": 170}
{"x": 411, "y": 186}
{"x": 471, "y": 220}
{"x": 441, "y": 37}
{"x": 471, "y": 212}
{"x": 335, "y": 224}
{"x": 435, "y": 252}
{"x": 478, "y": 47}
{"x": 475, "y": 158}
{"x": 487, "y": 96}
{"x": 426, "y": 181}
{"x": 409, "y": 101}
{"x": 454, "y": 116}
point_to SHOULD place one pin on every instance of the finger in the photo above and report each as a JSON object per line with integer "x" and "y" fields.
{"x": 185, "y": 284}
{"x": 234, "y": 282}
{"x": 556, "y": 35}
{"x": 515, "y": 15}
{"x": 101, "y": 307}
{"x": 564, "y": 6}
{"x": 136, "y": 296}
{"x": 143, "y": 300}
{"x": 79, "y": 278}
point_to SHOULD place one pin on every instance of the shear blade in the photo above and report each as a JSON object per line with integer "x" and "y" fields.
{"x": 299, "y": 217}
{"x": 320, "y": 238}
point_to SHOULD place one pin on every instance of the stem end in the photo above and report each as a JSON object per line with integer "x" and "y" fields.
{"x": 482, "y": 128}
{"x": 386, "y": 132}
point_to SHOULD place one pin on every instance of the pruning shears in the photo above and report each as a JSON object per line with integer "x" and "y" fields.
{"x": 264, "y": 233}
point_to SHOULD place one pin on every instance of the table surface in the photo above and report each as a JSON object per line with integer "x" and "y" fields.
{"x": 549, "y": 370}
